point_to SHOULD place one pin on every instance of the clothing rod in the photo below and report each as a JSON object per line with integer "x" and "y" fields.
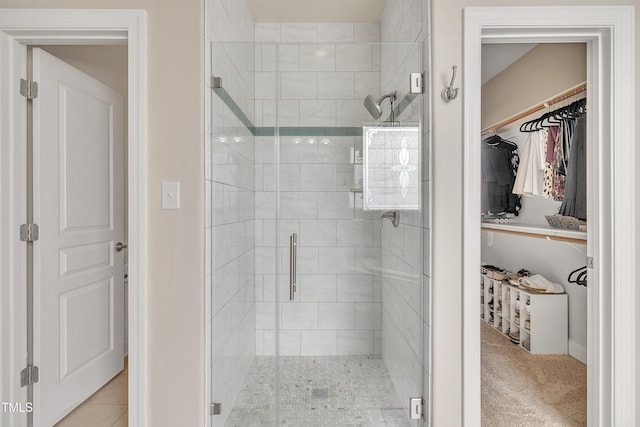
{"x": 567, "y": 94}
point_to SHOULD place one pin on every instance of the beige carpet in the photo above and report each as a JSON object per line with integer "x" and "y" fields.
{"x": 522, "y": 389}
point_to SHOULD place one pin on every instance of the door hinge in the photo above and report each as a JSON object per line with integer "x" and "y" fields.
{"x": 29, "y": 232}
{"x": 416, "y": 82}
{"x": 416, "y": 408}
{"x": 28, "y": 89}
{"x": 29, "y": 375}
{"x": 215, "y": 409}
{"x": 589, "y": 262}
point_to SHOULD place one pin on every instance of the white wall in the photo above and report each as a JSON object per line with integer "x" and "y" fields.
{"x": 447, "y": 145}
{"x": 542, "y": 73}
{"x": 230, "y": 194}
{"x": 175, "y": 316}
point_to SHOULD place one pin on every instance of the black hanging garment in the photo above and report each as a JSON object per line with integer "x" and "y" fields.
{"x": 575, "y": 196}
{"x": 499, "y": 168}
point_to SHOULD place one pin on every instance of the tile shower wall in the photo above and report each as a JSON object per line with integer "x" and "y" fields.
{"x": 321, "y": 85}
{"x": 402, "y": 260}
{"x": 230, "y": 196}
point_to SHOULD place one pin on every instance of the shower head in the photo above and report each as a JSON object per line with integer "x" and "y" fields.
{"x": 374, "y": 107}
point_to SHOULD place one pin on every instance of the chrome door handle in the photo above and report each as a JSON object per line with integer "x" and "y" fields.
{"x": 293, "y": 259}
{"x": 120, "y": 246}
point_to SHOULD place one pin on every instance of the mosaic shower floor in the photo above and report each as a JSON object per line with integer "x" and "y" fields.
{"x": 319, "y": 391}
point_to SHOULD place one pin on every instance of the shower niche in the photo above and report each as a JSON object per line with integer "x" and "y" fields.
{"x": 290, "y": 156}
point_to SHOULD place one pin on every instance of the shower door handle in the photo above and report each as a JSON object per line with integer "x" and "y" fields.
{"x": 293, "y": 260}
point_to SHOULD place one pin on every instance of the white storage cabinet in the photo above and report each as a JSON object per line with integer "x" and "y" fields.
{"x": 538, "y": 321}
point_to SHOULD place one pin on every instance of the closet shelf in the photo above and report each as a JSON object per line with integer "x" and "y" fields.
{"x": 539, "y": 231}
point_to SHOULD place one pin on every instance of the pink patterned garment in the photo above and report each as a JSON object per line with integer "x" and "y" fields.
{"x": 557, "y": 190}
{"x": 552, "y": 135}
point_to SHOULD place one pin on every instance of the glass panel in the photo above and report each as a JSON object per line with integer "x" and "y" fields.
{"x": 285, "y": 156}
{"x": 350, "y": 342}
{"x": 241, "y": 205}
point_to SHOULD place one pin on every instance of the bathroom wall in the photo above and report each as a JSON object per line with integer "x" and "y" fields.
{"x": 230, "y": 192}
{"x": 321, "y": 87}
{"x": 405, "y": 323}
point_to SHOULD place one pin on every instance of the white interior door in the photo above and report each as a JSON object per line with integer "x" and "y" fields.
{"x": 78, "y": 142}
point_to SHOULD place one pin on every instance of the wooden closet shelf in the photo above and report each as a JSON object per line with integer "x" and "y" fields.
{"x": 538, "y": 231}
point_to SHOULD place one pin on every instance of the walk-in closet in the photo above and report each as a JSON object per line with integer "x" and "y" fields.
{"x": 535, "y": 216}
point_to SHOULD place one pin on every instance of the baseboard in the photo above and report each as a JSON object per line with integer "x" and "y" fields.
{"x": 578, "y": 351}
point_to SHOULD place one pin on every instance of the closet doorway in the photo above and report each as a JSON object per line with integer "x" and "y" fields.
{"x": 534, "y": 320}
{"x": 609, "y": 142}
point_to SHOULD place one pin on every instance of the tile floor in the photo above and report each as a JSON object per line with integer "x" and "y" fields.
{"x": 319, "y": 391}
{"x": 106, "y": 408}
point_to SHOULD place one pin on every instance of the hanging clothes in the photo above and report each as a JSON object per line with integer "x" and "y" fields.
{"x": 575, "y": 197}
{"x": 499, "y": 166}
{"x": 552, "y": 137}
{"x": 530, "y": 177}
{"x": 561, "y": 158}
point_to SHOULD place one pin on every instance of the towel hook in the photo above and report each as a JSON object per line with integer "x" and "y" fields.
{"x": 450, "y": 92}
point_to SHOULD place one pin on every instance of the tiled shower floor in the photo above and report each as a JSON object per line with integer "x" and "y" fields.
{"x": 319, "y": 391}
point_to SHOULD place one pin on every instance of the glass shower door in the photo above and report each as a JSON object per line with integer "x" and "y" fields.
{"x": 349, "y": 179}
{"x": 241, "y": 220}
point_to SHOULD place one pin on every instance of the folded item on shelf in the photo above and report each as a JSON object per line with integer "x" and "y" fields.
{"x": 497, "y": 274}
{"x": 539, "y": 283}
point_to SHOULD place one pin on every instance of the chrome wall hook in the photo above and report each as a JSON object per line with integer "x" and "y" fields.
{"x": 450, "y": 92}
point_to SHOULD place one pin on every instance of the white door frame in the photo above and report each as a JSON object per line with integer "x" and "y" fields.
{"x": 76, "y": 27}
{"x": 609, "y": 34}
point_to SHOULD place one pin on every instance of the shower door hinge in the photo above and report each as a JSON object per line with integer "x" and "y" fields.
{"x": 416, "y": 82}
{"x": 29, "y": 232}
{"x": 28, "y": 89}
{"x": 416, "y": 408}
{"x": 215, "y": 409}
{"x": 29, "y": 375}
{"x": 216, "y": 82}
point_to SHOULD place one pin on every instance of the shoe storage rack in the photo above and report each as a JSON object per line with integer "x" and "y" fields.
{"x": 538, "y": 323}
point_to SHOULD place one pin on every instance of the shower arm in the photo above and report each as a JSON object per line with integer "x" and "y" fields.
{"x": 391, "y": 95}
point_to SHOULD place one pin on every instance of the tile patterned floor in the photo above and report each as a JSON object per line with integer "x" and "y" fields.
{"x": 108, "y": 407}
{"x": 319, "y": 391}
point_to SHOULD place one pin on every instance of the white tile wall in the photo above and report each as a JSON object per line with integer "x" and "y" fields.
{"x": 336, "y": 310}
{"x": 298, "y": 33}
{"x": 317, "y": 57}
{"x": 336, "y": 32}
{"x": 339, "y": 315}
{"x": 319, "y": 343}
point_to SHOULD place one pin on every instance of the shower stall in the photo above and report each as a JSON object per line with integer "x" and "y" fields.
{"x": 318, "y": 235}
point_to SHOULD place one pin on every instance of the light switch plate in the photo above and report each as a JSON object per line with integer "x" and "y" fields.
{"x": 170, "y": 195}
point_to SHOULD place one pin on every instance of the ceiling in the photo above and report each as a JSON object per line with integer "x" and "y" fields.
{"x": 316, "y": 11}
{"x": 497, "y": 57}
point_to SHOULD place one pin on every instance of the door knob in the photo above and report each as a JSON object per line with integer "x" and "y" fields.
{"x": 120, "y": 246}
